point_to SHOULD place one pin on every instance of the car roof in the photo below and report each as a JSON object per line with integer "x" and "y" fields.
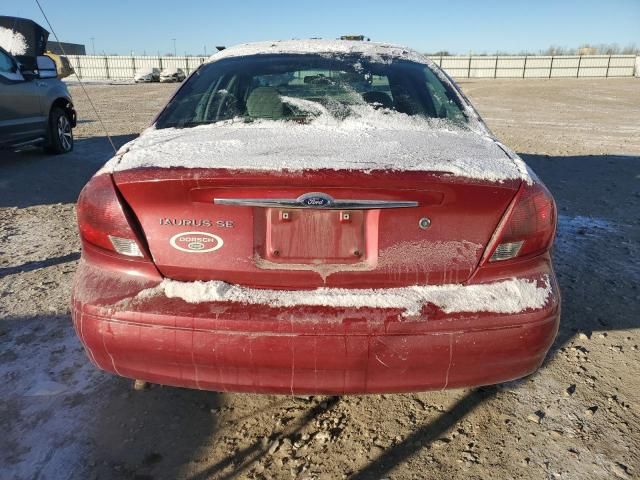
{"x": 377, "y": 52}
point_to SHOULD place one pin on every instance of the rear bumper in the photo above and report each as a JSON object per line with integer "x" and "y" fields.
{"x": 302, "y": 350}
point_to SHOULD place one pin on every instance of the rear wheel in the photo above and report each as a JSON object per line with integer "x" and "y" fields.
{"x": 60, "y": 132}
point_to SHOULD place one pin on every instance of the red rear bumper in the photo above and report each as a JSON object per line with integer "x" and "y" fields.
{"x": 303, "y": 350}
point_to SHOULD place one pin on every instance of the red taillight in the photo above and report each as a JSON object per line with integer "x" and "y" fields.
{"x": 102, "y": 220}
{"x": 529, "y": 227}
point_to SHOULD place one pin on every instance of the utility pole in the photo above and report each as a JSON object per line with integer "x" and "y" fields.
{"x": 93, "y": 45}
{"x": 175, "y": 52}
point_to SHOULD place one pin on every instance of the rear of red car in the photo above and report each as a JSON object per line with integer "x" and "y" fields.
{"x": 313, "y": 280}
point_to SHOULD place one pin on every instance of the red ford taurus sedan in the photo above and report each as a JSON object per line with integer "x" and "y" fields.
{"x": 311, "y": 217}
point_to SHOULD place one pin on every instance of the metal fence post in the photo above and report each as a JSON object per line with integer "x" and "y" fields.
{"x": 106, "y": 66}
{"x": 186, "y": 59}
{"x": 551, "y": 66}
{"x": 440, "y": 64}
{"x": 79, "y": 66}
{"x": 133, "y": 65}
{"x": 579, "y": 62}
{"x": 495, "y": 68}
{"x": 160, "y": 58}
{"x": 524, "y": 67}
{"x": 469, "y": 68}
{"x": 608, "y": 64}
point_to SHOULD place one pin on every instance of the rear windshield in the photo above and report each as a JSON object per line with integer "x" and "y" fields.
{"x": 302, "y": 88}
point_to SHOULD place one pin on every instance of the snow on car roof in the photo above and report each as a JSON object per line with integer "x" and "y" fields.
{"x": 13, "y": 42}
{"x": 377, "y": 52}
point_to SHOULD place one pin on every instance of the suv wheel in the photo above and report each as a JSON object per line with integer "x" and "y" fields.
{"x": 60, "y": 132}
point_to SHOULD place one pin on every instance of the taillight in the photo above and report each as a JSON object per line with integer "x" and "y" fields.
{"x": 529, "y": 227}
{"x": 102, "y": 220}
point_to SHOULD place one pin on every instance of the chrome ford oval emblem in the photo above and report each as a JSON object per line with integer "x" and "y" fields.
{"x": 316, "y": 200}
{"x": 196, "y": 242}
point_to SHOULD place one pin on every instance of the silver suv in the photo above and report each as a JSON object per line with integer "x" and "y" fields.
{"x": 35, "y": 106}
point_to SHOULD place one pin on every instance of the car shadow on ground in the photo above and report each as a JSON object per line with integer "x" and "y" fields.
{"x": 181, "y": 425}
{"x": 425, "y": 434}
{"x": 153, "y": 433}
{"x": 31, "y": 177}
{"x": 242, "y": 459}
{"x": 36, "y": 265}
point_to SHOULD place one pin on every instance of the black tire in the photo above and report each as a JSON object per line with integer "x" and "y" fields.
{"x": 60, "y": 132}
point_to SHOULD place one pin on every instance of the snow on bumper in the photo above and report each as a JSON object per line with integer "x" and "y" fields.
{"x": 509, "y": 296}
{"x": 220, "y": 337}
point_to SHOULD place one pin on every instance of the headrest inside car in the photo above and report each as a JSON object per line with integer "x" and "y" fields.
{"x": 265, "y": 102}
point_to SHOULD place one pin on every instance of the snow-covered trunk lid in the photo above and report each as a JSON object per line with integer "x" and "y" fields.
{"x": 300, "y": 230}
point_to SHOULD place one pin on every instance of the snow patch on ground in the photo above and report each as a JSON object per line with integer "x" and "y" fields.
{"x": 581, "y": 225}
{"x": 13, "y": 42}
{"x": 573, "y": 232}
{"x": 45, "y": 372}
{"x": 508, "y": 296}
{"x": 586, "y": 237}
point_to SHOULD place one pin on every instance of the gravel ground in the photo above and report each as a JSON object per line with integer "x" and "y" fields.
{"x": 577, "y": 417}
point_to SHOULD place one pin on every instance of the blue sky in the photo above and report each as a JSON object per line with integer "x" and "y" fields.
{"x": 459, "y": 26}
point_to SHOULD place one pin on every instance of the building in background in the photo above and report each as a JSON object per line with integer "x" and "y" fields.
{"x": 69, "y": 48}
{"x": 587, "y": 51}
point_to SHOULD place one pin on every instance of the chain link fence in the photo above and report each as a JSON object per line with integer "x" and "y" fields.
{"x": 116, "y": 67}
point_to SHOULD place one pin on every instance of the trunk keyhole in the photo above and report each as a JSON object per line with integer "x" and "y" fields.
{"x": 424, "y": 223}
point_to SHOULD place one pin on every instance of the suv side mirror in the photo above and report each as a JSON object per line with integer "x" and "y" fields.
{"x": 46, "y": 67}
{"x": 27, "y": 72}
